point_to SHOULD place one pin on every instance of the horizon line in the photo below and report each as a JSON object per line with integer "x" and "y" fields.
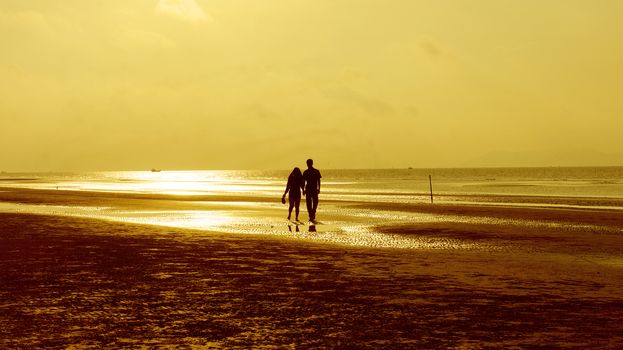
{"x": 287, "y": 169}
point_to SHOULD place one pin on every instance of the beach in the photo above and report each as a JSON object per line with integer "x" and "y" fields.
{"x": 79, "y": 271}
{"x": 459, "y": 165}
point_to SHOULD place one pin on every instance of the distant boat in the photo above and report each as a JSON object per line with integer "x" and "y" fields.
{"x": 155, "y": 170}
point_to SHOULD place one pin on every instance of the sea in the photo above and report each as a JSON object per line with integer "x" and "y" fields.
{"x": 346, "y": 184}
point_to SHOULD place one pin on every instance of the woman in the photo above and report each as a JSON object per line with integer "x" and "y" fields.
{"x": 295, "y": 185}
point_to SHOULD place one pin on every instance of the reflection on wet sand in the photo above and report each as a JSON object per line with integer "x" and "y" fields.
{"x": 368, "y": 224}
{"x": 347, "y": 230}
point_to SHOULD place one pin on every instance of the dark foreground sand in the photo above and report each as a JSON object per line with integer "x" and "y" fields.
{"x": 88, "y": 283}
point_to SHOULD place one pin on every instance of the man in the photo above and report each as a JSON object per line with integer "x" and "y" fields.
{"x": 311, "y": 179}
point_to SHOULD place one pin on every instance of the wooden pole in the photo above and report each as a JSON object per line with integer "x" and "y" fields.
{"x": 430, "y": 182}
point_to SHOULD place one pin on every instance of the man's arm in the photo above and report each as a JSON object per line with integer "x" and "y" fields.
{"x": 318, "y": 185}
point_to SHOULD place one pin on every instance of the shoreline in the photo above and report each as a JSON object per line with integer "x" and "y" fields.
{"x": 582, "y": 202}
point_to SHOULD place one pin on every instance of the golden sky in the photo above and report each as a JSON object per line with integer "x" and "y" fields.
{"x": 231, "y": 84}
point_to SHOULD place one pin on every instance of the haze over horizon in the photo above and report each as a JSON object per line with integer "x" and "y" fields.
{"x": 240, "y": 84}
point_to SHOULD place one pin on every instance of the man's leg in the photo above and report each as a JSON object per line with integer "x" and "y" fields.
{"x": 308, "y": 201}
{"x": 315, "y": 204}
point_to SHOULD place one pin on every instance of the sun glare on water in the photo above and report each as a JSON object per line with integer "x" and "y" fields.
{"x": 181, "y": 183}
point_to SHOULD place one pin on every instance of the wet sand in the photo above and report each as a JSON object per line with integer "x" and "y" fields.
{"x": 69, "y": 281}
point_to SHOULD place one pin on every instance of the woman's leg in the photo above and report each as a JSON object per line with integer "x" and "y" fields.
{"x": 290, "y": 210}
{"x": 296, "y": 206}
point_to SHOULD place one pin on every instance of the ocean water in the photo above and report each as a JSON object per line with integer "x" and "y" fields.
{"x": 372, "y": 184}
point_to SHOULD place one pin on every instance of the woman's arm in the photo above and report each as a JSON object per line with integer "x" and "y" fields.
{"x": 288, "y": 185}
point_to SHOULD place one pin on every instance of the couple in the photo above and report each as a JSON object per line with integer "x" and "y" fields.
{"x": 309, "y": 182}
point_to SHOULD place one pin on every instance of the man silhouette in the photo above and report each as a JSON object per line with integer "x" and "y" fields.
{"x": 311, "y": 179}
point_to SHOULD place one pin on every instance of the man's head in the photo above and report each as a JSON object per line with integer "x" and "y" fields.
{"x": 310, "y": 163}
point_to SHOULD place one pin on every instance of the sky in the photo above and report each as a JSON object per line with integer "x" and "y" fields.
{"x": 249, "y": 84}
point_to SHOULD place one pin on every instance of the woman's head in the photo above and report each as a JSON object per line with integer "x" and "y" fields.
{"x": 296, "y": 172}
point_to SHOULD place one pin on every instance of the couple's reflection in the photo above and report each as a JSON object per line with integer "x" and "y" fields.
{"x": 311, "y": 228}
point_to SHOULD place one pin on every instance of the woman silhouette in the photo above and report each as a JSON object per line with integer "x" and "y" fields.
{"x": 294, "y": 186}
